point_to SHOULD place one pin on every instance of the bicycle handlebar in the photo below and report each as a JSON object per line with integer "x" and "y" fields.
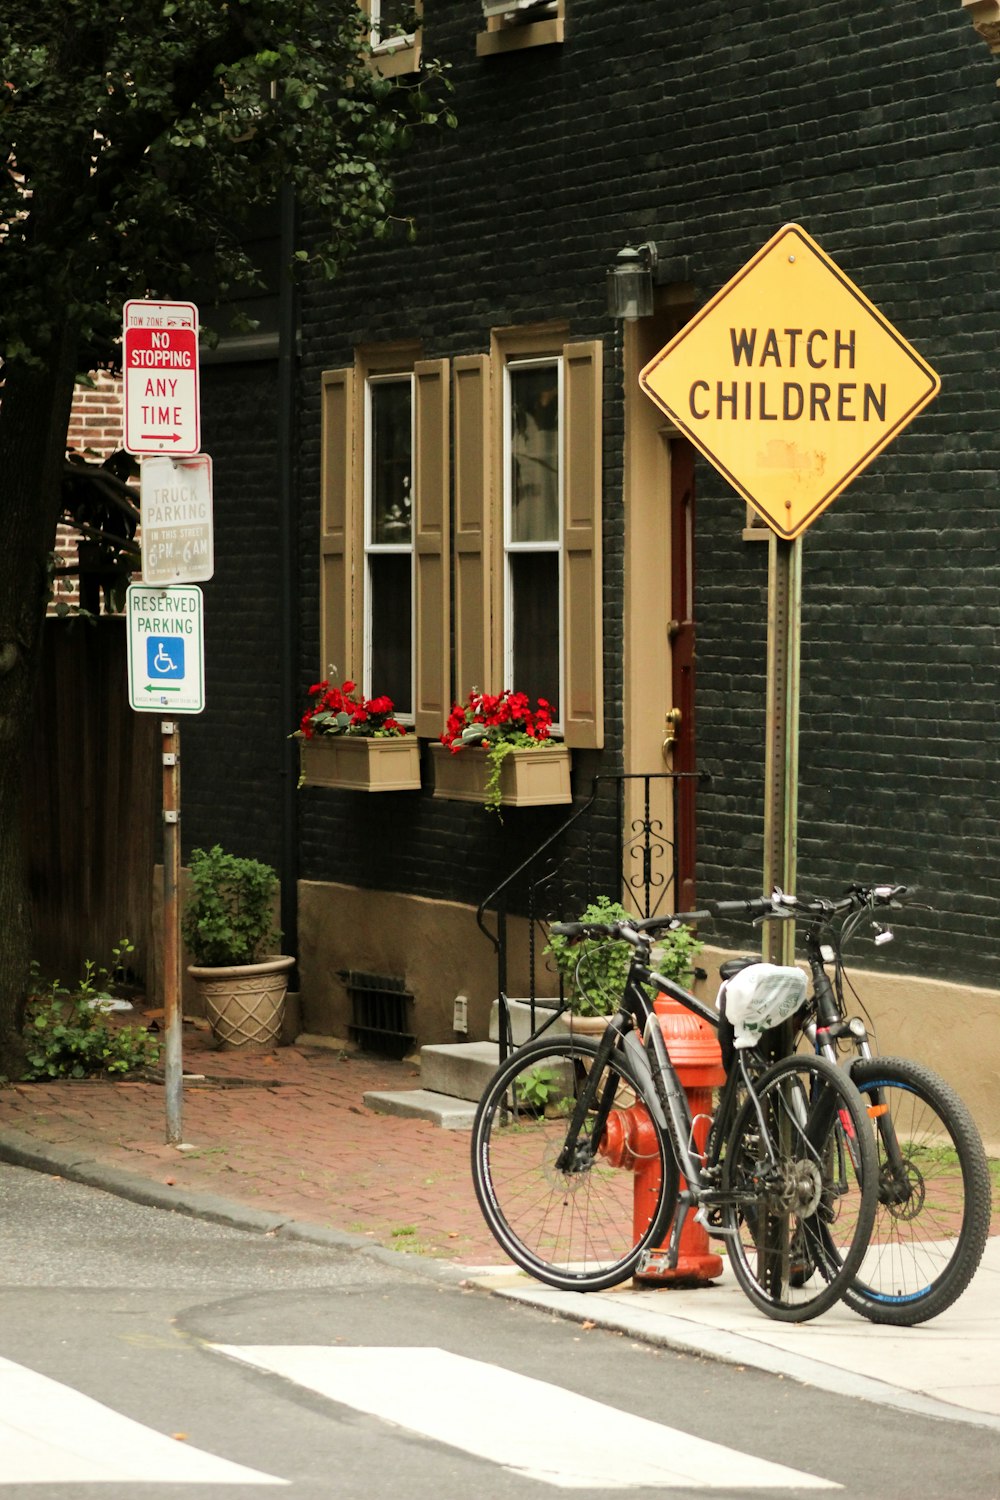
{"x": 778, "y": 905}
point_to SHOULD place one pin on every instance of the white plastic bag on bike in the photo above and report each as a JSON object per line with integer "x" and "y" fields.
{"x": 759, "y": 997}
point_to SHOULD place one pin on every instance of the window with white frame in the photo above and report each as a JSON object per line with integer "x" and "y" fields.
{"x": 512, "y": 24}
{"x": 394, "y": 34}
{"x": 533, "y": 507}
{"x": 460, "y": 526}
{"x": 388, "y": 586}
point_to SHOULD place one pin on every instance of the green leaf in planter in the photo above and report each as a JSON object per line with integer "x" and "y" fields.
{"x": 595, "y": 970}
{"x": 229, "y": 917}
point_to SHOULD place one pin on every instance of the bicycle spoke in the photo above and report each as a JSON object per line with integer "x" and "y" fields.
{"x": 552, "y": 1196}
{"x": 933, "y": 1213}
{"x": 799, "y": 1207}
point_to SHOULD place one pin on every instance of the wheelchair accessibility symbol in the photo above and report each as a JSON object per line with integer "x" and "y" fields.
{"x": 166, "y": 648}
{"x": 164, "y": 658}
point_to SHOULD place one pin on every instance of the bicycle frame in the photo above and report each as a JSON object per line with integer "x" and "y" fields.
{"x": 827, "y": 1029}
{"x": 830, "y": 1024}
{"x": 665, "y": 1095}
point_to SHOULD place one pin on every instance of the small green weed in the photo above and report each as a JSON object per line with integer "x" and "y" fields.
{"x": 541, "y": 1089}
{"x": 68, "y": 1034}
{"x": 404, "y": 1239}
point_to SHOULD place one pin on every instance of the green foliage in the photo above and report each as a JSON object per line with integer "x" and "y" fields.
{"x": 229, "y": 918}
{"x": 595, "y": 970}
{"x": 675, "y": 953}
{"x": 68, "y": 1034}
{"x": 139, "y": 140}
{"x": 541, "y": 1089}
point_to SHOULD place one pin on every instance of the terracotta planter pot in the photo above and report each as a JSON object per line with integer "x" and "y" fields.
{"x": 358, "y": 764}
{"x": 585, "y": 1025}
{"x": 529, "y": 778}
{"x": 245, "y": 1003}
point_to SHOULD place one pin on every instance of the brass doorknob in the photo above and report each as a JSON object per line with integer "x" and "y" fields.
{"x": 671, "y": 726}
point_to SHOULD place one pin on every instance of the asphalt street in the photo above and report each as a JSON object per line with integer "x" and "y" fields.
{"x": 259, "y": 1353}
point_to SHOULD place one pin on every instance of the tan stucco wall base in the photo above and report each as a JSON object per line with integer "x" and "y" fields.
{"x": 953, "y": 1028}
{"x": 436, "y": 947}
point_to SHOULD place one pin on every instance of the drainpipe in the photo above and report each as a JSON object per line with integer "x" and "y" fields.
{"x": 288, "y": 564}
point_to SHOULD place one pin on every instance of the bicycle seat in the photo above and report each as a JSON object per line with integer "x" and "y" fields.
{"x": 734, "y": 966}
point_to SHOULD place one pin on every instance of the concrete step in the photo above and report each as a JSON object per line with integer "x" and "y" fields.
{"x": 453, "y": 1075}
{"x": 423, "y": 1104}
{"x": 460, "y": 1069}
{"x": 519, "y": 1012}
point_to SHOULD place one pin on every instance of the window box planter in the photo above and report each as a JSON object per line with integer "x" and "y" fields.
{"x": 359, "y": 764}
{"x": 529, "y": 778}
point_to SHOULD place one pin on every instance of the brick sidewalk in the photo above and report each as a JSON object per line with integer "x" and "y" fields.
{"x": 284, "y": 1132}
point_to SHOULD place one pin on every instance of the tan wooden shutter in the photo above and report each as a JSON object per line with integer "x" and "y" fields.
{"x": 583, "y": 710}
{"x": 337, "y": 528}
{"x": 473, "y": 564}
{"x": 432, "y": 626}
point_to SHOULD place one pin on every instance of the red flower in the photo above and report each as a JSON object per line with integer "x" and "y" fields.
{"x": 340, "y": 710}
{"x": 504, "y": 716}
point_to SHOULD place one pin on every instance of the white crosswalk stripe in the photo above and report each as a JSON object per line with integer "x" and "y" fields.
{"x": 528, "y": 1426}
{"x": 52, "y": 1434}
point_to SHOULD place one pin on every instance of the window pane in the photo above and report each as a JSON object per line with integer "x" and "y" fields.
{"x": 391, "y": 462}
{"x": 534, "y": 456}
{"x": 534, "y": 604}
{"x": 390, "y": 623}
{"x": 391, "y": 18}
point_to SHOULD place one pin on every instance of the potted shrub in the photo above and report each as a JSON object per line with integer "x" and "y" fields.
{"x": 594, "y": 972}
{"x": 497, "y": 749}
{"x": 229, "y": 929}
{"x": 356, "y": 743}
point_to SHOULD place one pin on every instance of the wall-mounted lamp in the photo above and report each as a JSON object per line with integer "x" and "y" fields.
{"x": 630, "y": 282}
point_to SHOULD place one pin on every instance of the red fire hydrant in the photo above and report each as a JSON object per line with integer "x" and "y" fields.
{"x": 630, "y": 1138}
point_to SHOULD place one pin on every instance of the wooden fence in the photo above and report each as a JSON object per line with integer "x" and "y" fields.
{"x": 92, "y": 795}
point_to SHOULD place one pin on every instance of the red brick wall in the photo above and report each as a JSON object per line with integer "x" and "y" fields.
{"x": 95, "y": 429}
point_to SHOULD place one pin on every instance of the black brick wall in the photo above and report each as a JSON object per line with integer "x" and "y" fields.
{"x": 233, "y": 753}
{"x": 704, "y": 128}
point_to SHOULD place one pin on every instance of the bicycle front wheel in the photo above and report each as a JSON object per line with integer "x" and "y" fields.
{"x": 799, "y": 1181}
{"x": 564, "y": 1202}
{"x": 934, "y": 1199}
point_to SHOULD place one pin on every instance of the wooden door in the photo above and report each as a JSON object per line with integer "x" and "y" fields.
{"x": 680, "y": 727}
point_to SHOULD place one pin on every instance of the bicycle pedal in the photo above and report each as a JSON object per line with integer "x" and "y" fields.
{"x": 655, "y": 1262}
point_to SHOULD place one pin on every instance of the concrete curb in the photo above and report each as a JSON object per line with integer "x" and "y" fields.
{"x": 22, "y": 1151}
{"x": 734, "y": 1349}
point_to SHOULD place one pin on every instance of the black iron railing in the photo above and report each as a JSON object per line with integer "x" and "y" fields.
{"x": 616, "y": 843}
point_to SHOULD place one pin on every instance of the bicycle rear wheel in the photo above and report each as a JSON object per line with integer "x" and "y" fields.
{"x": 567, "y": 1214}
{"x": 800, "y": 1179}
{"x": 934, "y": 1200}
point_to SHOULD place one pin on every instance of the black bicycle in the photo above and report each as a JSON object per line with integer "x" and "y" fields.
{"x": 786, "y": 1176}
{"x": 934, "y": 1193}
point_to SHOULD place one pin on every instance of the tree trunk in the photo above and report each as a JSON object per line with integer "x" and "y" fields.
{"x": 33, "y": 423}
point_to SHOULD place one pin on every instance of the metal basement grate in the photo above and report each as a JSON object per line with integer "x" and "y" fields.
{"x": 380, "y": 1013}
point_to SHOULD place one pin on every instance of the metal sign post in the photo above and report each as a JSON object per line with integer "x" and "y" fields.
{"x": 781, "y": 754}
{"x": 166, "y": 650}
{"x": 166, "y": 674}
{"x": 173, "y": 1066}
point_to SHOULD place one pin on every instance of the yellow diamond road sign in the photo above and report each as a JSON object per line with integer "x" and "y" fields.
{"x": 790, "y": 381}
